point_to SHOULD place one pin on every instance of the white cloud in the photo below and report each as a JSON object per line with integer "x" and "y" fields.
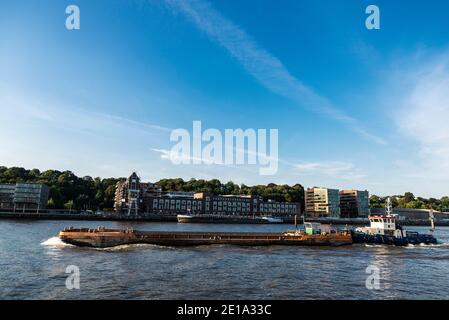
{"x": 71, "y": 117}
{"x": 424, "y": 113}
{"x": 262, "y": 65}
{"x": 336, "y": 169}
{"x": 47, "y": 134}
{"x": 177, "y": 157}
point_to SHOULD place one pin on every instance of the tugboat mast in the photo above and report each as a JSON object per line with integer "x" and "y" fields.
{"x": 389, "y": 207}
{"x": 431, "y": 218}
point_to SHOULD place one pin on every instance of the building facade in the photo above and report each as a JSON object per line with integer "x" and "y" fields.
{"x": 133, "y": 197}
{"x": 222, "y": 205}
{"x": 354, "y": 203}
{"x": 23, "y": 196}
{"x": 322, "y": 202}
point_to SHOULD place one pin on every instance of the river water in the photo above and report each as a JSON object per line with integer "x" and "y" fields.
{"x": 33, "y": 265}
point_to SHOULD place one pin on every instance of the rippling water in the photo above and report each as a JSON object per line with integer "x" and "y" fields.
{"x": 33, "y": 263}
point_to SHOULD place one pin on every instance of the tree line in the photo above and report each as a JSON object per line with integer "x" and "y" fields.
{"x": 68, "y": 191}
{"x": 282, "y": 193}
{"x": 409, "y": 201}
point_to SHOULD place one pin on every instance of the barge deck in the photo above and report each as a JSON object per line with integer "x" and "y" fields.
{"x": 102, "y": 238}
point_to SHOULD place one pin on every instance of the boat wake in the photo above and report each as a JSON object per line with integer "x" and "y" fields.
{"x": 55, "y": 242}
{"x": 128, "y": 247}
{"x": 371, "y": 245}
{"x": 426, "y": 246}
{"x": 411, "y": 246}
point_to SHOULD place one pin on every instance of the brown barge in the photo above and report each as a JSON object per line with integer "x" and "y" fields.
{"x": 102, "y": 238}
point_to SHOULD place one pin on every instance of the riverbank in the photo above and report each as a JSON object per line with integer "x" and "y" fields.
{"x": 172, "y": 218}
{"x": 85, "y": 217}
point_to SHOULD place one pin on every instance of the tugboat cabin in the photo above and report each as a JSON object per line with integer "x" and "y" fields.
{"x": 382, "y": 222}
{"x": 384, "y": 225}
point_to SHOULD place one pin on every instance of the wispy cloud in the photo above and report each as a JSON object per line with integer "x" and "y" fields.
{"x": 331, "y": 169}
{"x": 73, "y": 116}
{"x": 174, "y": 156}
{"x": 51, "y": 134}
{"x": 336, "y": 169}
{"x": 168, "y": 155}
{"x": 424, "y": 111}
{"x": 132, "y": 123}
{"x": 262, "y": 65}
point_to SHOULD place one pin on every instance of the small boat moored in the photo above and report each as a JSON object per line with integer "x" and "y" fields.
{"x": 208, "y": 218}
{"x": 271, "y": 219}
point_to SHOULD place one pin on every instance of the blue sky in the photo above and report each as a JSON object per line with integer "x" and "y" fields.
{"x": 355, "y": 108}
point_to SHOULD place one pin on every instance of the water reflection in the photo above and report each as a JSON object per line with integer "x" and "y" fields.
{"x": 33, "y": 267}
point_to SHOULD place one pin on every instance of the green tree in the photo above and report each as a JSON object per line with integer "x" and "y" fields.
{"x": 376, "y": 202}
{"x": 69, "y": 205}
{"x": 444, "y": 203}
{"x": 408, "y": 197}
{"x": 51, "y": 204}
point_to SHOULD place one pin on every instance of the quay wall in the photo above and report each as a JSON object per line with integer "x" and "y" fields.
{"x": 48, "y": 215}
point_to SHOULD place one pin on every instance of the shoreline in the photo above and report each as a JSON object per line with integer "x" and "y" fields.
{"x": 172, "y": 218}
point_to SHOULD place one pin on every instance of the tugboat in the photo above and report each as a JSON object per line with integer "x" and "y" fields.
{"x": 384, "y": 229}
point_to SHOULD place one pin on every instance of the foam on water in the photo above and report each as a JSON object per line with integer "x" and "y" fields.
{"x": 374, "y": 245}
{"x": 55, "y": 242}
{"x": 410, "y": 246}
{"x": 126, "y": 247}
{"x": 427, "y": 246}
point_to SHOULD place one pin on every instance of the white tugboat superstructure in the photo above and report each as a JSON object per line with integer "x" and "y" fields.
{"x": 384, "y": 229}
{"x": 384, "y": 224}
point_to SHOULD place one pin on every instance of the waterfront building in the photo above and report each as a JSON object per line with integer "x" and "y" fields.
{"x": 23, "y": 196}
{"x": 237, "y": 205}
{"x": 322, "y": 202}
{"x": 354, "y": 203}
{"x": 130, "y": 194}
{"x": 7, "y": 196}
{"x": 173, "y": 205}
{"x": 222, "y": 205}
{"x": 133, "y": 197}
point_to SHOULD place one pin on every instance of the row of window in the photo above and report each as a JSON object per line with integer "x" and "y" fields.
{"x": 279, "y": 210}
{"x": 173, "y": 204}
{"x": 231, "y": 204}
{"x": 277, "y": 205}
{"x": 383, "y": 220}
{"x": 220, "y": 206}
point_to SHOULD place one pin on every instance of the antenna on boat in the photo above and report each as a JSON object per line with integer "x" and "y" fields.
{"x": 296, "y": 222}
{"x": 389, "y": 207}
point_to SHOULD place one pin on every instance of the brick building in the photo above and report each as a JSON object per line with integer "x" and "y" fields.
{"x": 134, "y": 197}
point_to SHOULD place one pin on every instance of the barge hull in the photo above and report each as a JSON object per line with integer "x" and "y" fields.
{"x": 111, "y": 238}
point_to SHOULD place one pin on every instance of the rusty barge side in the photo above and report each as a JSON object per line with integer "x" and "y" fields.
{"x": 102, "y": 238}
